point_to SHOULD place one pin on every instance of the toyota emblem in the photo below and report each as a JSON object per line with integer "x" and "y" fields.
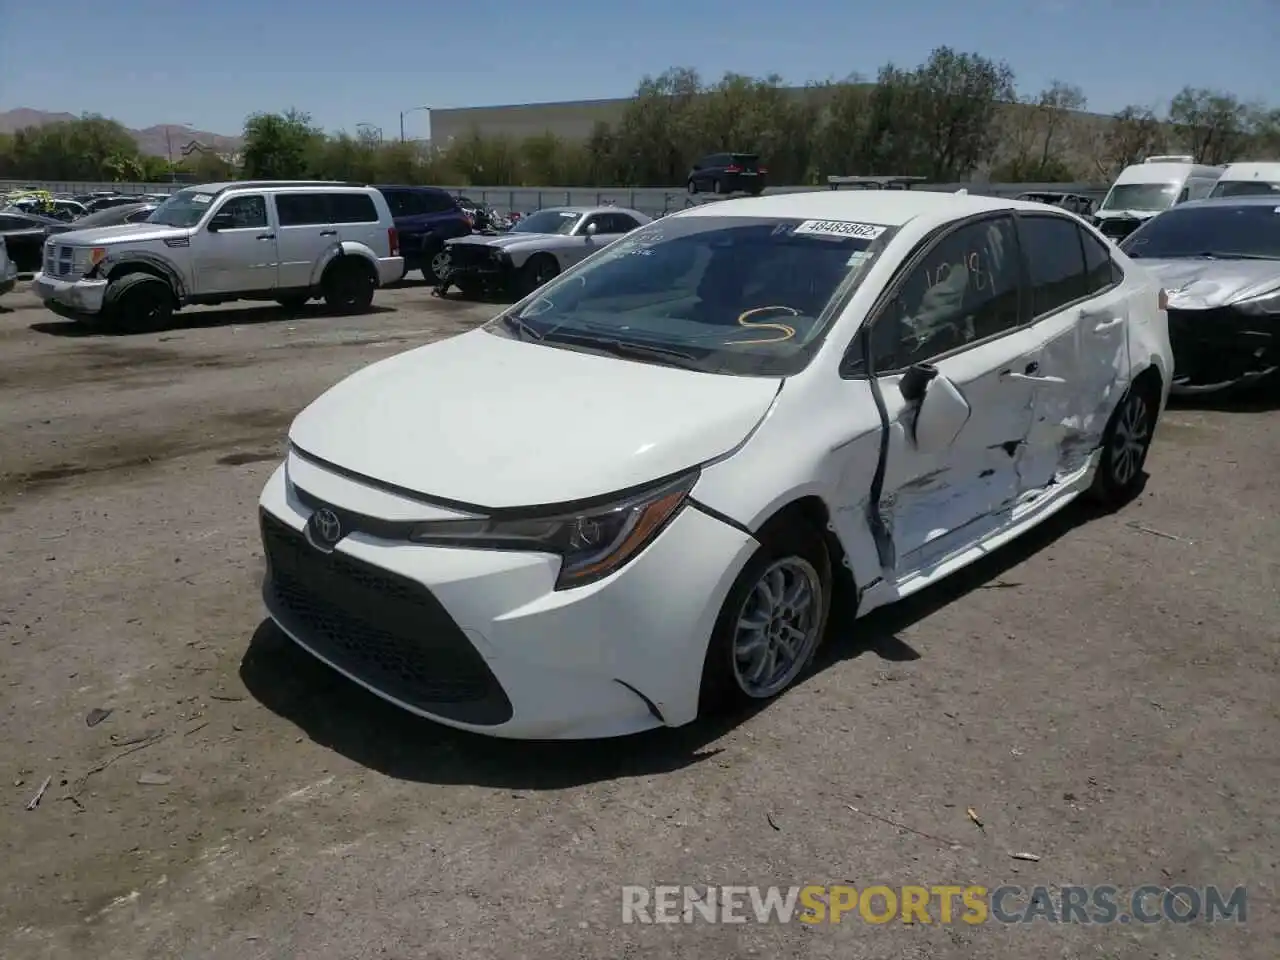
{"x": 326, "y": 527}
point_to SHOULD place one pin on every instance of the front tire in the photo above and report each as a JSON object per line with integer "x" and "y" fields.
{"x": 540, "y": 269}
{"x": 1125, "y": 445}
{"x": 436, "y": 266}
{"x": 139, "y": 301}
{"x": 772, "y": 621}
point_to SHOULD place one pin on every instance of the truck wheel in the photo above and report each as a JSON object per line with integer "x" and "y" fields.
{"x": 139, "y": 301}
{"x": 348, "y": 285}
{"x": 436, "y": 265}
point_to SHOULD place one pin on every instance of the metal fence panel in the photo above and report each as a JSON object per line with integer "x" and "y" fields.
{"x": 653, "y": 201}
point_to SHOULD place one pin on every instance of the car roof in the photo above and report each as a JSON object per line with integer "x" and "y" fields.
{"x": 888, "y": 207}
{"x": 603, "y": 208}
{"x": 410, "y": 186}
{"x": 1261, "y": 200}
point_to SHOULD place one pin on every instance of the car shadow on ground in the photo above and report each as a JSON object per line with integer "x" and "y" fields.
{"x": 1261, "y": 396}
{"x": 200, "y": 320}
{"x": 348, "y": 719}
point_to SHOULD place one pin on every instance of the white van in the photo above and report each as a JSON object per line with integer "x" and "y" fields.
{"x": 1151, "y": 187}
{"x": 1248, "y": 180}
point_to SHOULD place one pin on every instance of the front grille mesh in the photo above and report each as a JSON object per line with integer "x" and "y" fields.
{"x": 385, "y": 629}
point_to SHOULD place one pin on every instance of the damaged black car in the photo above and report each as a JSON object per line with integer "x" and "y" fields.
{"x": 1219, "y": 261}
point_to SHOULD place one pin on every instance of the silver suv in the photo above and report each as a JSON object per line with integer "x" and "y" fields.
{"x": 281, "y": 240}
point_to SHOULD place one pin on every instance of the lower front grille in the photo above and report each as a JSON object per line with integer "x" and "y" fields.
{"x": 386, "y": 630}
{"x": 1221, "y": 345}
{"x": 1118, "y": 228}
{"x": 472, "y": 257}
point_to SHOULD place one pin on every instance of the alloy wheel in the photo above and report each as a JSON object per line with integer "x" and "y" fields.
{"x": 778, "y": 627}
{"x": 1130, "y": 439}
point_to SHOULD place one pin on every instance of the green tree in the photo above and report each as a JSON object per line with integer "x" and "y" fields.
{"x": 1133, "y": 133}
{"x": 957, "y": 96}
{"x": 281, "y": 146}
{"x": 1210, "y": 125}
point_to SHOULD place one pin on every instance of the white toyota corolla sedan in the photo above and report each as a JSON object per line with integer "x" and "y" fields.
{"x": 637, "y": 493}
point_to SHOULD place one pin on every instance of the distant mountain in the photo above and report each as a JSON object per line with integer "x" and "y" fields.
{"x": 155, "y": 140}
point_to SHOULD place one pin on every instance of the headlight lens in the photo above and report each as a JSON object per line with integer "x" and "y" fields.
{"x": 592, "y": 543}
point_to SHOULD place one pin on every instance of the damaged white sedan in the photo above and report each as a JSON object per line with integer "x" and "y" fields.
{"x": 638, "y": 493}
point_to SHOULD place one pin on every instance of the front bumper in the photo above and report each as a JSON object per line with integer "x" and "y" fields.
{"x": 1221, "y": 348}
{"x": 479, "y": 639}
{"x": 79, "y": 297}
{"x": 479, "y": 265}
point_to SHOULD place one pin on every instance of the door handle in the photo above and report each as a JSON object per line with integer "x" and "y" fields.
{"x": 266, "y": 236}
{"x": 1028, "y": 378}
{"x": 1107, "y": 324}
{"x": 328, "y": 233}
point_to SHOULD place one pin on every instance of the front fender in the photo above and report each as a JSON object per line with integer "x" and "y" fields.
{"x": 113, "y": 262}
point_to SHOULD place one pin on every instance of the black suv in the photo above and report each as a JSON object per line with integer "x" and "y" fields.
{"x": 728, "y": 173}
{"x": 425, "y": 218}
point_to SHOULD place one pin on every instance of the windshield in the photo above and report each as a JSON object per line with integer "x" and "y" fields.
{"x": 741, "y": 295}
{"x": 1245, "y": 188}
{"x": 1143, "y": 197}
{"x": 1245, "y": 231}
{"x": 548, "y": 221}
{"x": 183, "y": 209}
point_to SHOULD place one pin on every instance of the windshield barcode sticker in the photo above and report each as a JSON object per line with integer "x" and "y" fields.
{"x": 840, "y": 228}
{"x": 202, "y": 198}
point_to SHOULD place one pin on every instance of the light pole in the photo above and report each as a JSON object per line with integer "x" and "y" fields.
{"x": 168, "y": 143}
{"x": 370, "y": 126}
{"x": 402, "y": 115}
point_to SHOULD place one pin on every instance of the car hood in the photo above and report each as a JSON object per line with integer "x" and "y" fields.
{"x": 124, "y": 233}
{"x": 494, "y": 422}
{"x": 1195, "y": 284}
{"x": 502, "y": 241}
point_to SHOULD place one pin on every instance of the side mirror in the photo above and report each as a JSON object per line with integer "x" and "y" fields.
{"x": 221, "y": 221}
{"x": 941, "y": 414}
{"x": 592, "y": 230}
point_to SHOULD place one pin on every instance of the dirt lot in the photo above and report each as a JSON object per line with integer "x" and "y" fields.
{"x": 1102, "y": 695}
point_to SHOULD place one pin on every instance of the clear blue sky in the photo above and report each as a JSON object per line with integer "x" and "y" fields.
{"x": 145, "y": 62}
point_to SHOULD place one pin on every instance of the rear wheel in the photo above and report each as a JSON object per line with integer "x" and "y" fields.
{"x": 139, "y": 301}
{"x": 717, "y": 185}
{"x": 348, "y": 285}
{"x": 771, "y": 623}
{"x": 538, "y": 271}
{"x": 693, "y": 187}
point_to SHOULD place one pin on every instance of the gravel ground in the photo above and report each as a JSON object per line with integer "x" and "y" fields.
{"x": 1102, "y": 694}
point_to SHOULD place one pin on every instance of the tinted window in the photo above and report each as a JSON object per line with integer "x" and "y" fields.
{"x": 548, "y": 221}
{"x": 1145, "y": 197}
{"x": 747, "y": 295}
{"x": 966, "y": 289}
{"x": 434, "y": 202}
{"x": 245, "y": 212}
{"x": 617, "y": 223}
{"x": 1221, "y": 230}
{"x": 302, "y": 209}
{"x": 352, "y": 208}
{"x": 1245, "y": 188}
{"x": 1100, "y": 271}
{"x": 13, "y": 223}
{"x": 139, "y": 215}
{"x": 397, "y": 201}
{"x": 1055, "y": 263}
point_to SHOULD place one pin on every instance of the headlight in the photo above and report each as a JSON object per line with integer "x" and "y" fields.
{"x": 592, "y": 543}
{"x": 1266, "y": 305}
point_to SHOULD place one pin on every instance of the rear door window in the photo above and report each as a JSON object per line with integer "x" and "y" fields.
{"x": 352, "y": 208}
{"x": 434, "y": 202}
{"x": 302, "y": 209}
{"x": 1101, "y": 271}
{"x": 1055, "y": 262}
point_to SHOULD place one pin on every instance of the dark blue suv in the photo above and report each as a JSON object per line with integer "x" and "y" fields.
{"x": 425, "y": 218}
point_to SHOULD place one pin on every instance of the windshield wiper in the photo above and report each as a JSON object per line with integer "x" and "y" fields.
{"x": 631, "y": 348}
{"x": 1218, "y": 255}
{"x": 521, "y": 327}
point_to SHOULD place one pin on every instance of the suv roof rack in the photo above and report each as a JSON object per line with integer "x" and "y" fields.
{"x": 269, "y": 184}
